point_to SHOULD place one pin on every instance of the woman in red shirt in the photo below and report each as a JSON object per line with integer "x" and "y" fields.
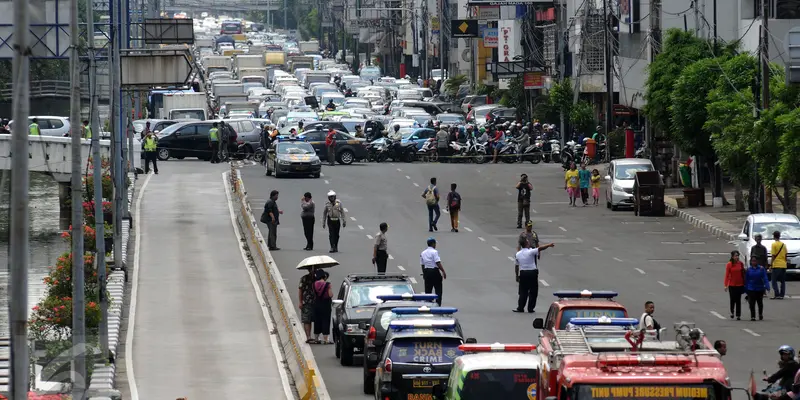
{"x": 734, "y": 283}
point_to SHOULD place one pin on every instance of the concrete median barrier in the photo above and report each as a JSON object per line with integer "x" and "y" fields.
{"x": 298, "y": 356}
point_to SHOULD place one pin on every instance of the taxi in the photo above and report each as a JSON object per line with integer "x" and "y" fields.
{"x": 419, "y": 355}
{"x": 292, "y": 158}
{"x": 492, "y": 371}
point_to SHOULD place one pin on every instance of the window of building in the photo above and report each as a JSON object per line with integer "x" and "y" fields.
{"x": 778, "y": 9}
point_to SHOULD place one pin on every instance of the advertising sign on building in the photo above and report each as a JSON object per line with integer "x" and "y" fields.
{"x": 533, "y": 80}
{"x": 489, "y": 12}
{"x": 435, "y": 25}
{"x": 490, "y": 38}
{"x": 506, "y": 40}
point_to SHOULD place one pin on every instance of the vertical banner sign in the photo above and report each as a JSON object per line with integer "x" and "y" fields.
{"x": 490, "y": 38}
{"x": 506, "y": 47}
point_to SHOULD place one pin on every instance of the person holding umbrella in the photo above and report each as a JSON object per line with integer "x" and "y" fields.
{"x": 307, "y": 292}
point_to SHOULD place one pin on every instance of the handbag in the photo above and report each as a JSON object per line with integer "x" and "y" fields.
{"x": 265, "y": 217}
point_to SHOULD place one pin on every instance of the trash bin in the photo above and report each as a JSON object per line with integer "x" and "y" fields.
{"x": 695, "y": 197}
{"x": 686, "y": 175}
{"x": 591, "y": 148}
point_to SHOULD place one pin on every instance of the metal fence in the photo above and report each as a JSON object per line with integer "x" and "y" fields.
{"x": 53, "y": 88}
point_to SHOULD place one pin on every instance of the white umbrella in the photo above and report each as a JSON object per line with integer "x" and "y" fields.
{"x": 317, "y": 262}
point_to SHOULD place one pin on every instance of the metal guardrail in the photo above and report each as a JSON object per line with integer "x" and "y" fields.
{"x": 54, "y": 88}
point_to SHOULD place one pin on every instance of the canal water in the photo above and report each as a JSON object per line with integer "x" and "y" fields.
{"x": 46, "y": 243}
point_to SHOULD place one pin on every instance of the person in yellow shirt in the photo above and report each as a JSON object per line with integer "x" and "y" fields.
{"x": 595, "y": 186}
{"x": 571, "y": 183}
{"x": 778, "y": 267}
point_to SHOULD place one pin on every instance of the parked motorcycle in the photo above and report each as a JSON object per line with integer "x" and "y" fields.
{"x": 475, "y": 151}
{"x": 428, "y": 151}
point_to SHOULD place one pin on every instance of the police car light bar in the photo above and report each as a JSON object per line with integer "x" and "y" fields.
{"x": 408, "y": 297}
{"x": 604, "y": 321}
{"x": 441, "y": 324}
{"x": 497, "y": 347}
{"x": 424, "y": 310}
{"x": 585, "y": 294}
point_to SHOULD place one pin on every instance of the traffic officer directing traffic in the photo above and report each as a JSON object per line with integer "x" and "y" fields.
{"x": 149, "y": 145}
{"x": 33, "y": 128}
{"x": 213, "y": 141}
{"x": 527, "y": 274}
{"x": 334, "y": 216}
{"x": 432, "y": 270}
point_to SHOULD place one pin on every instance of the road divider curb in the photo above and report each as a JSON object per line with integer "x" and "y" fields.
{"x": 698, "y": 222}
{"x": 299, "y": 359}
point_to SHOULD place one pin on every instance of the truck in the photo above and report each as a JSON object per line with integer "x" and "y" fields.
{"x": 309, "y": 47}
{"x": 217, "y": 62}
{"x": 204, "y": 43}
{"x": 627, "y": 363}
{"x": 224, "y": 89}
{"x": 296, "y": 62}
{"x": 248, "y": 61}
{"x": 184, "y": 106}
{"x": 274, "y": 59}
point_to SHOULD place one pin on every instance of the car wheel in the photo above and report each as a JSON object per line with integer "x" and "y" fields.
{"x": 369, "y": 383}
{"x": 269, "y": 171}
{"x": 346, "y": 157}
{"x": 317, "y": 175}
{"x": 346, "y": 355}
{"x": 535, "y": 159}
{"x": 277, "y": 172}
{"x": 163, "y": 154}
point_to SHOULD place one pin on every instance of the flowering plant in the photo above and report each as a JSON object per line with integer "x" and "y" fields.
{"x": 89, "y": 237}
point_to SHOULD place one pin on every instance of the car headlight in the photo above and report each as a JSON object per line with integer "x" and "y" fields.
{"x": 316, "y": 161}
{"x": 353, "y": 328}
{"x": 283, "y": 162}
{"x": 617, "y": 188}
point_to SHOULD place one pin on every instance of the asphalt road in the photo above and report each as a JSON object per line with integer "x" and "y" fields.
{"x": 199, "y": 331}
{"x": 665, "y": 260}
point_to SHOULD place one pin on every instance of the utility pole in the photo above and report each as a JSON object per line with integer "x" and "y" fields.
{"x": 78, "y": 280}
{"x": 655, "y": 49}
{"x": 441, "y": 36}
{"x": 94, "y": 123}
{"x": 116, "y": 135}
{"x": 608, "y": 69}
{"x": 764, "y": 53}
{"x": 19, "y": 225}
{"x": 560, "y": 44}
{"x": 285, "y": 18}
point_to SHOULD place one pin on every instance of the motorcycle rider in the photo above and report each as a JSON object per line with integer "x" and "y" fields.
{"x": 484, "y": 137}
{"x": 331, "y": 106}
{"x": 788, "y": 368}
{"x": 395, "y": 134}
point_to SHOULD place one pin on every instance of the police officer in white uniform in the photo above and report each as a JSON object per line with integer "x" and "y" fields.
{"x": 432, "y": 270}
{"x": 527, "y": 274}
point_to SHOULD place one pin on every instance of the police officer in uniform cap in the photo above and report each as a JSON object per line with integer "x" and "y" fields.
{"x": 150, "y": 145}
{"x": 334, "y": 217}
{"x": 432, "y": 270}
{"x": 527, "y": 273}
{"x": 213, "y": 140}
{"x": 33, "y": 128}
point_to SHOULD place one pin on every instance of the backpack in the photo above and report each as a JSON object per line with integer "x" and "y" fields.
{"x": 430, "y": 196}
{"x": 455, "y": 200}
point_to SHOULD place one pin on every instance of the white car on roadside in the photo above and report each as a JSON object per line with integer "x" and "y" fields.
{"x": 620, "y": 177}
{"x": 765, "y": 224}
{"x": 50, "y": 125}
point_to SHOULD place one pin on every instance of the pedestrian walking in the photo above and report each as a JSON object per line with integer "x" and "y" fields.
{"x": 524, "y": 188}
{"x": 433, "y": 272}
{"x": 330, "y": 144}
{"x": 756, "y": 284}
{"x": 453, "y": 207}
{"x": 334, "y": 217}
{"x": 734, "y": 284}
{"x": 380, "y": 251}
{"x": 431, "y": 196}
{"x": 150, "y": 146}
{"x": 307, "y": 208}
{"x": 585, "y": 178}
{"x": 322, "y": 308}
{"x": 596, "y": 187}
{"x": 306, "y": 296}
{"x": 759, "y": 251}
{"x": 778, "y": 266}
{"x": 527, "y": 275}
{"x": 213, "y": 142}
{"x": 647, "y": 321}
{"x": 571, "y": 184}
{"x": 271, "y": 217}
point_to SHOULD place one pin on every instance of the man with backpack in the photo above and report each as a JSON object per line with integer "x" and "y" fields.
{"x": 431, "y": 196}
{"x": 453, "y": 207}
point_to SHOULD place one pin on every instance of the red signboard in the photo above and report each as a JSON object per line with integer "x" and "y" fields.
{"x": 533, "y": 80}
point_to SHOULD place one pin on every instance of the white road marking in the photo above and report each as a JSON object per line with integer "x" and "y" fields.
{"x": 751, "y": 332}
{"x": 689, "y": 298}
{"x": 579, "y": 240}
{"x": 481, "y": 239}
{"x": 279, "y": 359}
{"x": 550, "y": 221}
{"x": 544, "y": 282}
{"x": 400, "y": 267}
{"x": 508, "y": 193}
{"x": 467, "y": 229}
{"x": 326, "y": 182}
{"x": 370, "y": 237}
{"x": 617, "y": 259}
{"x": 534, "y": 211}
{"x": 399, "y": 170}
{"x": 555, "y": 202}
{"x": 345, "y": 210}
{"x": 496, "y": 248}
{"x": 408, "y": 177}
{"x": 413, "y": 280}
{"x": 361, "y": 227}
{"x": 641, "y": 271}
{"x": 663, "y": 284}
{"x": 716, "y": 314}
{"x": 416, "y": 184}
{"x": 598, "y": 249}
{"x": 352, "y": 218}
{"x": 562, "y": 228}
{"x": 556, "y": 254}
{"x": 708, "y": 254}
{"x": 322, "y": 174}
{"x": 512, "y": 258}
{"x": 444, "y": 210}
{"x": 390, "y": 257}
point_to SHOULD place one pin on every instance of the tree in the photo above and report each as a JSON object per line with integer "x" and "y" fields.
{"x": 582, "y": 116}
{"x": 451, "y": 85}
{"x": 681, "y": 49}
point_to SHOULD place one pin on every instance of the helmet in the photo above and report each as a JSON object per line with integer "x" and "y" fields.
{"x": 331, "y": 193}
{"x": 786, "y": 349}
{"x": 482, "y": 130}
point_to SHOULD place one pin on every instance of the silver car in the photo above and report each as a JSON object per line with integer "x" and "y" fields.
{"x": 620, "y": 177}
{"x": 765, "y": 224}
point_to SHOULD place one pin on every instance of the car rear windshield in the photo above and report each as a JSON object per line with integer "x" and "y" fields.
{"x": 425, "y": 350}
{"x": 361, "y": 295}
{"x": 570, "y": 313}
{"x": 500, "y": 384}
{"x": 628, "y": 171}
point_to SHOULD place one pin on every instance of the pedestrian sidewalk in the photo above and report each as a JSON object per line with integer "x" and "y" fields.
{"x": 199, "y": 330}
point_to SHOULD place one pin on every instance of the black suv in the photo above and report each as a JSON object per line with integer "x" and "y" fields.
{"x": 354, "y": 305}
{"x": 378, "y": 325}
{"x": 418, "y": 356}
